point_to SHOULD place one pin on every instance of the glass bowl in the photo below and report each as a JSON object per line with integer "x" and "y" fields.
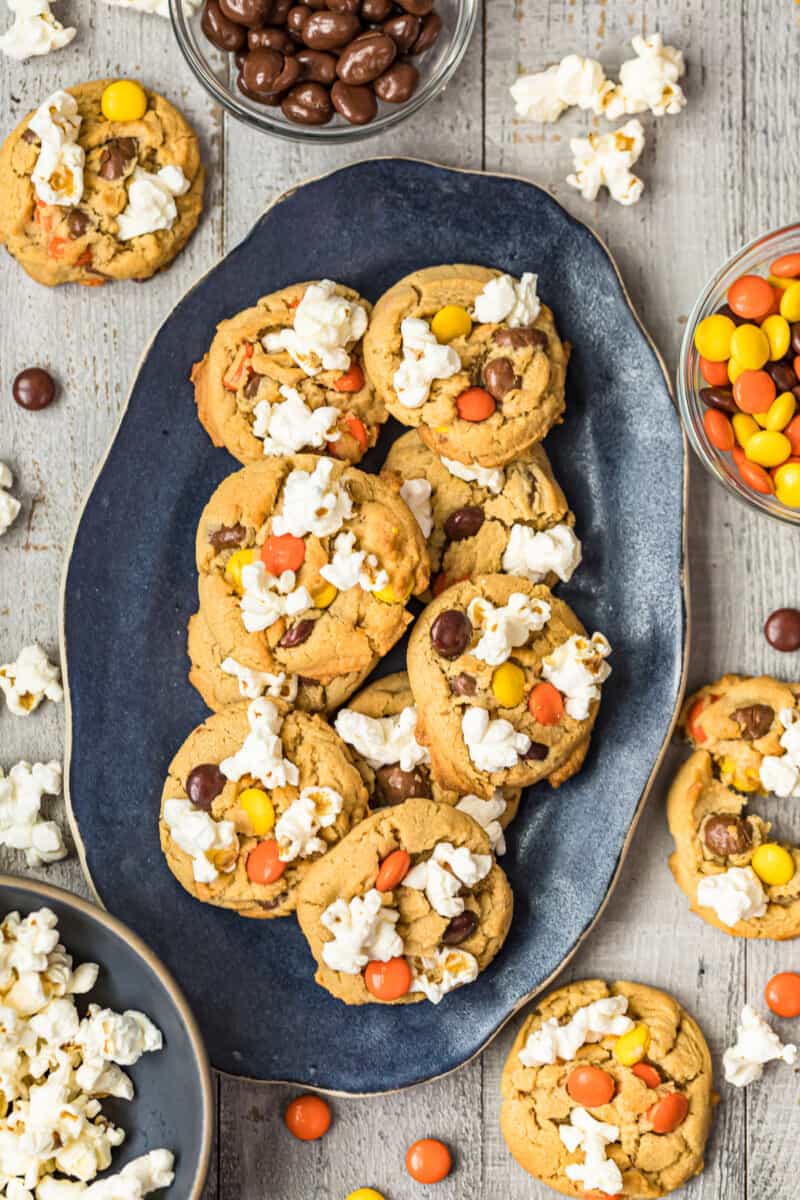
{"x": 754, "y": 258}
{"x": 216, "y": 71}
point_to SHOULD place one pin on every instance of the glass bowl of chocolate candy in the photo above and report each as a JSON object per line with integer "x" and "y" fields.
{"x": 324, "y": 70}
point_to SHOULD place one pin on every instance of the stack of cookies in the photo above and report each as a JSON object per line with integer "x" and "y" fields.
{"x": 377, "y": 812}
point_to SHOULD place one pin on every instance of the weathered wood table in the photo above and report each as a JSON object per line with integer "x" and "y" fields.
{"x": 721, "y": 172}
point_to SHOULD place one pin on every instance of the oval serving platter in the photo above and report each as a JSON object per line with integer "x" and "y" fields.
{"x": 621, "y": 458}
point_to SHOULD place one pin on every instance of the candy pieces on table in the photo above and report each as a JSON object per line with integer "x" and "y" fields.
{"x": 782, "y": 994}
{"x": 34, "y": 389}
{"x": 598, "y": 1075}
{"x": 782, "y": 629}
{"x": 35, "y": 31}
{"x": 308, "y": 1118}
{"x": 749, "y": 354}
{"x": 9, "y": 505}
{"x": 29, "y": 680}
{"x": 428, "y": 1161}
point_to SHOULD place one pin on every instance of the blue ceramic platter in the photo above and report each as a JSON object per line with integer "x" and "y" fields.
{"x": 130, "y": 587}
{"x": 173, "y": 1105}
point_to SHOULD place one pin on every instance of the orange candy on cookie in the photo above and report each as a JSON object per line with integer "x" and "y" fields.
{"x": 308, "y": 1118}
{"x": 546, "y": 704}
{"x": 668, "y": 1112}
{"x": 284, "y": 553}
{"x": 475, "y": 404}
{"x": 648, "y": 1075}
{"x": 393, "y": 870}
{"x": 388, "y": 981}
{"x": 263, "y": 864}
{"x": 590, "y": 1087}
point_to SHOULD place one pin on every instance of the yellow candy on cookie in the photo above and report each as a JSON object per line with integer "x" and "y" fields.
{"x": 124, "y": 100}
{"x": 325, "y": 597}
{"x": 258, "y": 806}
{"x": 508, "y": 685}
{"x": 773, "y": 864}
{"x": 631, "y": 1047}
{"x": 234, "y": 566}
{"x": 451, "y": 322}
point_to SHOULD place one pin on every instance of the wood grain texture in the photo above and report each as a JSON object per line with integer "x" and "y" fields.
{"x": 719, "y": 173}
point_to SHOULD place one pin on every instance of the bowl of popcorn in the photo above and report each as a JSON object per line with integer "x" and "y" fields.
{"x": 106, "y": 1083}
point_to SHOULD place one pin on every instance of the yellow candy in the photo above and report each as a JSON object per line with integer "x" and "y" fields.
{"x": 451, "y": 322}
{"x": 631, "y": 1047}
{"x": 742, "y": 783}
{"x": 233, "y": 568}
{"x": 773, "y": 864}
{"x": 750, "y": 347}
{"x": 258, "y": 807}
{"x": 124, "y": 100}
{"x": 779, "y": 335}
{"x": 325, "y": 596}
{"x": 389, "y": 596}
{"x": 781, "y": 281}
{"x": 787, "y": 484}
{"x": 743, "y": 427}
{"x": 779, "y": 413}
{"x": 508, "y": 685}
{"x": 365, "y": 1194}
{"x": 712, "y": 337}
{"x": 790, "y": 302}
{"x": 768, "y": 448}
{"x": 734, "y": 370}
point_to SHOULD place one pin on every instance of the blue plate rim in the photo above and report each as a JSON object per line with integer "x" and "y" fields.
{"x": 100, "y": 914}
{"x": 685, "y": 598}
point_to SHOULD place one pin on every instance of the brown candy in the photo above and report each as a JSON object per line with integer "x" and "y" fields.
{"x": 308, "y": 104}
{"x": 356, "y": 104}
{"x": 297, "y": 634}
{"x": 296, "y": 17}
{"x": 34, "y": 389}
{"x": 394, "y": 785}
{"x": 376, "y": 10}
{"x": 464, "y": 685}
{"x": 418, "y": 7}
{"x": 499, "y": 377}
{"x": 77, "y": 223}
{"x": 329, "y": 30}
{"x": 450, "y": 633}
{"x": 220, "y": 30}
{"x": 403, "y": 30}
{"x": 782, "y": 629}
{"x": 203, "y": 784}
{"x": 725, "y": 834}
{"x": 227, "y": 536}
{"x": 317, "y": 65}
{"x": 460, "y": 928}
{"x": 346, "y": 6}
{"x": 536, "y": 752}
{"x": 719, "y": 397}
{"x": 516, "y": 339}
{"x": 782, "y": 374}
{"x": 431, "y": 28}
{"x": 398, "y": 84}
{"x": 754, "y": 720}
{"x": 116, "y": 156}
{"x": 251, "y": 13}
{"x": 271, "y": 39}
{"x": 366, "y": 57}
{"x": 252, "y": 385}
{"x": 266, "y": 73}
{"x": 464, "y": 523}
{"x": 796, "y": 338}
{"x": 280, "y": 11}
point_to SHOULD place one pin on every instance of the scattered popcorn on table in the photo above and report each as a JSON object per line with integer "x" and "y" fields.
{"x": 9, "y": 506}
{"x": 756, "y": 1044}
{"x": 649, "y": 81}
{"x": 544, "y": 96}
{"x": 605, "y": 159}
{"x": 21, "y": 823}
{"x": 35, "y": 30}
{"x": 29, "y": 681}
{"x": 56, "y": 1067}
{"x": 159, "y": 7}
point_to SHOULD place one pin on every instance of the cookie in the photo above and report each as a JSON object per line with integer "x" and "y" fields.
{"x": 378, "y": 727}
{"x": 507, "y": 685}
{"x": 409, "y": 906}
{"x": 287, "y": 375}
{"x": 482, "y": 520}
{"x": 735, "y": 875}
{"x": 256, "y": 795}
{"x": 305, "y": 565}
{"x": 471, "y": 358}
{"x": 85, "y": 200}
{"x": 223, "y": 681}
{"x": 608, "y": 1090}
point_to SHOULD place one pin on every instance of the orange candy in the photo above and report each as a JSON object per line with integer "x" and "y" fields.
{"x": 788, "y": 266}
{"x": 351, "y": 381}
{"x": 284, "y": 553}
{"x": 388, "y": 980}
{"x": 719, "y": 430}
{"x": 696, "y": 731}
{"x": 357, "y": 428}
{"x": 754, "y": 475}
{"x": 668, "y": 1112}
{"x": 751, "y": 296}
{"x": 428, "y": 1161}
{"x": 792, "y": 432}
{"x": 590, "y": 1086}
{"x": 714, "y": 373}
{"x": 782, "y": 993}
{"x": 648, "y": 1075}
{"x": 796, "y": 363}
{"x": 475, "y": 404}
{"x": 393, "y": 870}
{"x": 546, "y": 704}
{"x": 263, "y": 864}
{"x": 308, "y": 1118}
{"x": 754, "y": 391}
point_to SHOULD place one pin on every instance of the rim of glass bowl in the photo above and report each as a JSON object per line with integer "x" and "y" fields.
{"x": 328, "y": 134}
{"x": 691, "y": 407}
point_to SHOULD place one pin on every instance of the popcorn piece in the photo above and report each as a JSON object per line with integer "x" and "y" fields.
{"x": 211, "y": 845}
{"x": 159, "y": 7}
{"x": 254, "y": 684}
{"x": 21, "y": 824}
{"x": 596, "y": 1173}
{"x": 151, "y": 202}
{"x": 325, "y": 325}
{"x": 417, "y": 495}
{"x": 734, "y": 895}
{"x": 505, "y": 299}
{"x": 266, "y": 598}
{"x": 424, "y": 360}
{"x": 292, "y": 426}
{"x": 492, "y": 478}
{"x": 9, "y": 505}
{"x": 574, "y": 81}
{"x": 605, "y": 159}
{"x": 313, "y": 503}
{"x": 363, "y": 931}
{"x": 590, "y": 1023}
{"x": 649, "y": 81}
{"x": 487, "y": 813}
{"x": 120, "y": 1038}
{"x": 577, "y": 668}
{"x": 443, "y": 972}
{"x": 383, "y": 741}
{"x": 440, "y": 877}
{"x": 296, "y": 829}
{"x": 756, "y": 1044}
{"x": 261, "y": 755}
{"x": 492, "y": 745}
{"x": 57, "y": 176}
{"x": 29, "y": 681}
{"x": 781, "y": 773}
{"x": 504, "y": 628}
{"x": 35, "y": 30}
{"x": 533, "y": 555}
{"x": 350, "y": 567}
